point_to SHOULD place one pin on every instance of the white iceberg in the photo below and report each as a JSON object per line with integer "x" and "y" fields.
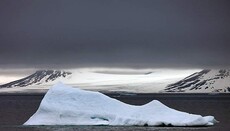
{"x": 64, "y": 105}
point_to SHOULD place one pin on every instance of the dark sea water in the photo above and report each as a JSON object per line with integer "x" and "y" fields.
{"x": 15, "y": 109}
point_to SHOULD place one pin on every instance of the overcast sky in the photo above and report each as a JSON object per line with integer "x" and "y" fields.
{"x": 126, "y": 33}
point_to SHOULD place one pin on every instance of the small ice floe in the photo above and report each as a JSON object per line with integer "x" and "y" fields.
{"x": 64, "y": 105}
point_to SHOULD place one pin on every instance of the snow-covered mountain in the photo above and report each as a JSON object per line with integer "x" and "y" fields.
{"x": 203, "y": 81}
{"x": 100, "y": 79}
{"x": 37, "y": 78}
{"x": 87, "y": 79}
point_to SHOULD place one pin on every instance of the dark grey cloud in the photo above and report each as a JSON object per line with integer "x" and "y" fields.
{"x": 144, "y": 33}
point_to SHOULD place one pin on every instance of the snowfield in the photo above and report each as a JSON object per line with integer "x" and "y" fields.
{"x": 64, "y": 105}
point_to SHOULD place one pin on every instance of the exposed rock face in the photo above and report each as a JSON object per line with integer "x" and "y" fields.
{"x": 204, "y": 81}
{"x": 37, "y": 78}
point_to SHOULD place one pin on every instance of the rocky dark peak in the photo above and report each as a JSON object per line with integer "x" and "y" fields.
{"x": 203, "y": 80}
{"x": 35, "y": 78}
{"x": 187, "y": 82}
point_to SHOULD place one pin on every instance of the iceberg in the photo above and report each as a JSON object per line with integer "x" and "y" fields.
{"x": 65, "y": 105}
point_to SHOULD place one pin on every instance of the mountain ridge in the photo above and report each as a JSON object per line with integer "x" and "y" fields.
{"x": 204, "y": 81}
{"x": 37, "y": 78}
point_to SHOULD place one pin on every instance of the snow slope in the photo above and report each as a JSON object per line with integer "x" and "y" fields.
{"x": 63, "y": 105}
{"x": 203, "y": 81}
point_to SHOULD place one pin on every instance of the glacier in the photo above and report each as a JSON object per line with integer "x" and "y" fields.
{"x": 65, "y": 105}
{"x": 99, "y": 79}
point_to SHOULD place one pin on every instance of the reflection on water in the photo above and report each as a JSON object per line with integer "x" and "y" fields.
{"x": 99, "y": 128}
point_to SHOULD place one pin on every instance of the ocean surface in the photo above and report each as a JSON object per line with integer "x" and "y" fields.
{"x": 16, "y": 108}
